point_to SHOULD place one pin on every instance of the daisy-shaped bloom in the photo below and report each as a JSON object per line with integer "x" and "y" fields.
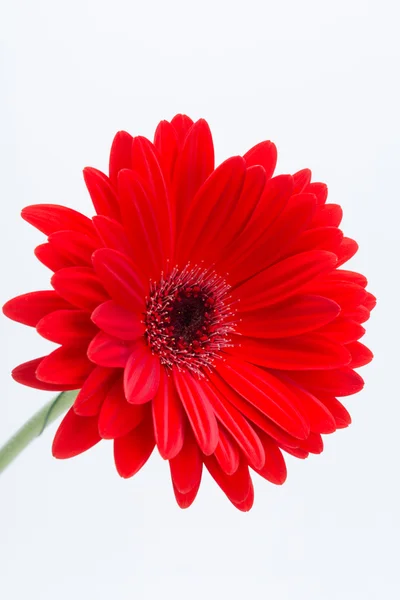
{"x": 203, "y": 310}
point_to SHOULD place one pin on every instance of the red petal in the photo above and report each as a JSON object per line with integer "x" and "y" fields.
{"x": 264, "y": 154}
{"x": 112, "y": 234}
{"x": 165, "y": 140}
{"x": 313, "y": 444}
{"x": 212, "y": 206}
{"x": 80, "y": 286}
{"x": 308, "y": 351}
{"x": 255, "y": 416}
{"x": 338, "y": 382}
{"x": 370, "y": 301}
{"x": 272, "y": 202}
{"x": 119, "y": 276}
{"x": 347, "y": 250}
{"x": 348, "y": 276}
{"x": 237, "y": 486}
{"x": 30, "y": 308}
{"x": 108, "y": 351}
{"x": 201, "y": 416}
{"x": 66, "y": 365}
{"x": 118, "y": 321}
{"x": 359, "y": 314}
{"x": 347, "y": 295}
{"x": 26, "y": 375}
{"x": 246, "y": 504}
{"x": 168, "y": 418}
{"x": 49, "y": 218}
{"x": 51, "y": 258}
{"x": 185, "y": 500}
{"x": 194, "y": 164}
{"x": 120, "y": 155}
{"x": 321, "y": 238}
{"x": 297, "y": 315}
{"x": 76, "y": 247}
{"x": 90, "y": 398}
{"x": 146, "y": 165}
{"x": 293, "y": 220}
{"x": 67, "y": 327}
{"x": 104, "y": 199}
{"x": 187, "y": 466}
{"x": 321, "y": 420}
{"x": 118, "y": 417}
{"x": 300, "y": 180}
{"x": 320, "y": 190}
{"x": 132, "y": 451}
{"x": 297, "y": 452}
{"x": 360, "y": 354}
{"x": 141, "y": 375}
{"x": 282, "y": 280}
{"x": 340, "y": 414}
{"x": 75, "y": 435}
{"x": 236, "y": 425}
{"x": 343, "y": 330}
{"x": 252, "y": 189}
{"x": 327, "y": 215}
{"x": 141, "y": 225}
{"x": 274, "y": 469}
{"x": 265, "y": 392}
{"x": 182, "y": 125}
{"x": 227, "y": 453}
{"x": 278, "y": 239}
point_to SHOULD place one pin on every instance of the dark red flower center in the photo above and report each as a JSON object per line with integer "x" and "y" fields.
{"x": 189, "y": 318}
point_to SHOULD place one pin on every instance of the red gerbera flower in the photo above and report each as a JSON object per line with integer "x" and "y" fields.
{"x": 202, "y": 311}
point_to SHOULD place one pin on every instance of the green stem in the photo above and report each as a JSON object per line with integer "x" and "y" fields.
{"x": 35, "y": 427}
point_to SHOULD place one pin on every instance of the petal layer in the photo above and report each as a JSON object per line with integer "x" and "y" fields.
{"x": 75, "y": 435}
{"x": 283, "y": 280}
{"x": 30, "y": 308}
{"x": 168, "y": 418}
{"x": 117, "y": 417}
{"x": 49, "y": 218}
{"x": 67, "y": 327}
{"x": 80, "y": 286}
{"x": 120, "y": 278}
{"x": 132, "y": 451}
{"x": 118, "y": 321}
{"x": 141, "y": 375}
{"x": 299, "y": 314}
{"x": 265, "y": 392}
{"x": 66, "y": 365}
{"x": 198, "y": 410}
{"x": 310, "y": 351}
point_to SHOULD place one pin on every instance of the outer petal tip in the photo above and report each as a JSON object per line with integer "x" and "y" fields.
{"x": 75, "y": 435}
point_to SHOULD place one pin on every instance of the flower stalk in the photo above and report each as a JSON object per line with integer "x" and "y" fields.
{"x": 35, "y": 427}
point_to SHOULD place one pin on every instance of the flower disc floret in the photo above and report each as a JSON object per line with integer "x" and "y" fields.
{"x": 189, "y": 318}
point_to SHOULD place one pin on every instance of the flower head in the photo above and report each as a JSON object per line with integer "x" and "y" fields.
{"x": 202, "y": 310}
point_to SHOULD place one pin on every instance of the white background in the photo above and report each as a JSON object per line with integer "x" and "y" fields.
{"x": 321, "y": 80}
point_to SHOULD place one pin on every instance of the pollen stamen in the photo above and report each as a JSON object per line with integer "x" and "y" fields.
{"x": 189, "y": 318}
